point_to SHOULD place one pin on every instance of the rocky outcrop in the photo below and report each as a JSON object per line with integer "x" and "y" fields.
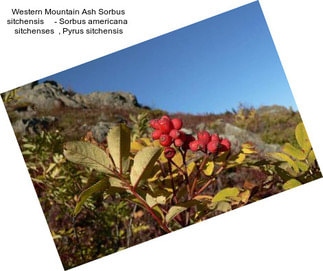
{"x": 46, "y": 96}
{"x": 51, "y": 95}
{"x": 237, "y": 136}
{"x": 33, "y": 126}
{"x": 101, "y": 99}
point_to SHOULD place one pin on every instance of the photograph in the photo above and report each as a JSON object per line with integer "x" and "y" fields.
{"x": 161, "y": 135}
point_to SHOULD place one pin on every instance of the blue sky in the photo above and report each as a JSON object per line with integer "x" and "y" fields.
{"x": 207, "y": 67}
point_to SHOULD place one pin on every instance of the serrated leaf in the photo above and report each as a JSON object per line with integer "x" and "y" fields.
{"x": 294, "y": 152}
{"x": 174, "y": 211}
{"x": 143, "y": 164}
{"x": 87, "y": 154}
{"x": 302, "y": 138}
{"x": 291, "y": 184}
{"x": 119, "y": 146}
{"x": 208, "y": 169}
{"x": 98, "y": 187}
{"x": 225, "y": 194}
{"x": 285, "y": 158}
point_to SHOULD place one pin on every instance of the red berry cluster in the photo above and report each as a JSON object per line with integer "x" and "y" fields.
{"x": 211, "y": 143}
{"x": 168, "y": 132}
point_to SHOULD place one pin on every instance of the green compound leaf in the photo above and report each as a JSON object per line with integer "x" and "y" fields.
{"x": 87, "y": 154}
{"x": 119, "y": 146}
{"x": 302, "y": 138}
{"x": 98, "y": 187}
{"x": 143, "y": 164}
{"x": 226, "y": 194}
{"x": 174, "y": 211}
{"x": 294, "y": 152}
{"x": 291, "y": 184}
{"x": 284, "y": 158}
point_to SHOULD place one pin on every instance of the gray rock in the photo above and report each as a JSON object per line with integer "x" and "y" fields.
{"x": 272, "y": 110}
{"x": 238, "y": 136}
{"x": 24, "y": 112}
{"x": 99, "y": 99}
{"x": 187, "y": 131}
{"x": 100, "y": 130}
{"x": 201, "y": 126}
{"x": 33, "y": 125}
{"x": 46, "y": 96}
{"x": 51, "y": 95}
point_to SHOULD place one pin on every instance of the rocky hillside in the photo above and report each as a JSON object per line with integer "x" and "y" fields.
{"x": 51, "y": 95}
{"x": 48, "y": 106}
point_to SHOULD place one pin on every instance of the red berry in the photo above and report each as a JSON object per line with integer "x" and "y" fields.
{"x": 197, "y": 145}
{"x": 194, "y": 145}
{"x": 177, "y": 123}
{"x": 188, "y": 139}
{"x": 165, "y": 117}
{"x": 178, "y": 142}
{"x": 204, "y": 136}
{"x": 215, "y": 137}
{"x": 165, "y": 140}
{"x": 169, "y": 152}
{"x": 154, "y": 124}
{"x": 175, "y": 133}
{"x": 182, "y": 136}
{"x": 156, "y": 134}
{"x": 202, "y": 145}
{"x": 165, "y": 125}
{"x": 212, "y": 146}
{"x": 225, "y": 145}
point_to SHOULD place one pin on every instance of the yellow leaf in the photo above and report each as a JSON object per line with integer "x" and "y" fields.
{"x": 244, "y": 196}
{"x": 226, "y": 194}
{"x": 241, "y": 158}
{"x": 311, "y": 158}
{"x": 190, "y": 168}
{"x": 208, "y": 169}
{"x": 143, "y": 164}
{"x": 291, "y": 184}
{"x": 178, "y": 160}
{"x": 247, "y": 151}
{"x": 136, "y": 146}
{"x": 302, "y": 138}
{"x": 203, "y": 197}
{"x": 145, "y": 141}
{"x": 285, "y": 158}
